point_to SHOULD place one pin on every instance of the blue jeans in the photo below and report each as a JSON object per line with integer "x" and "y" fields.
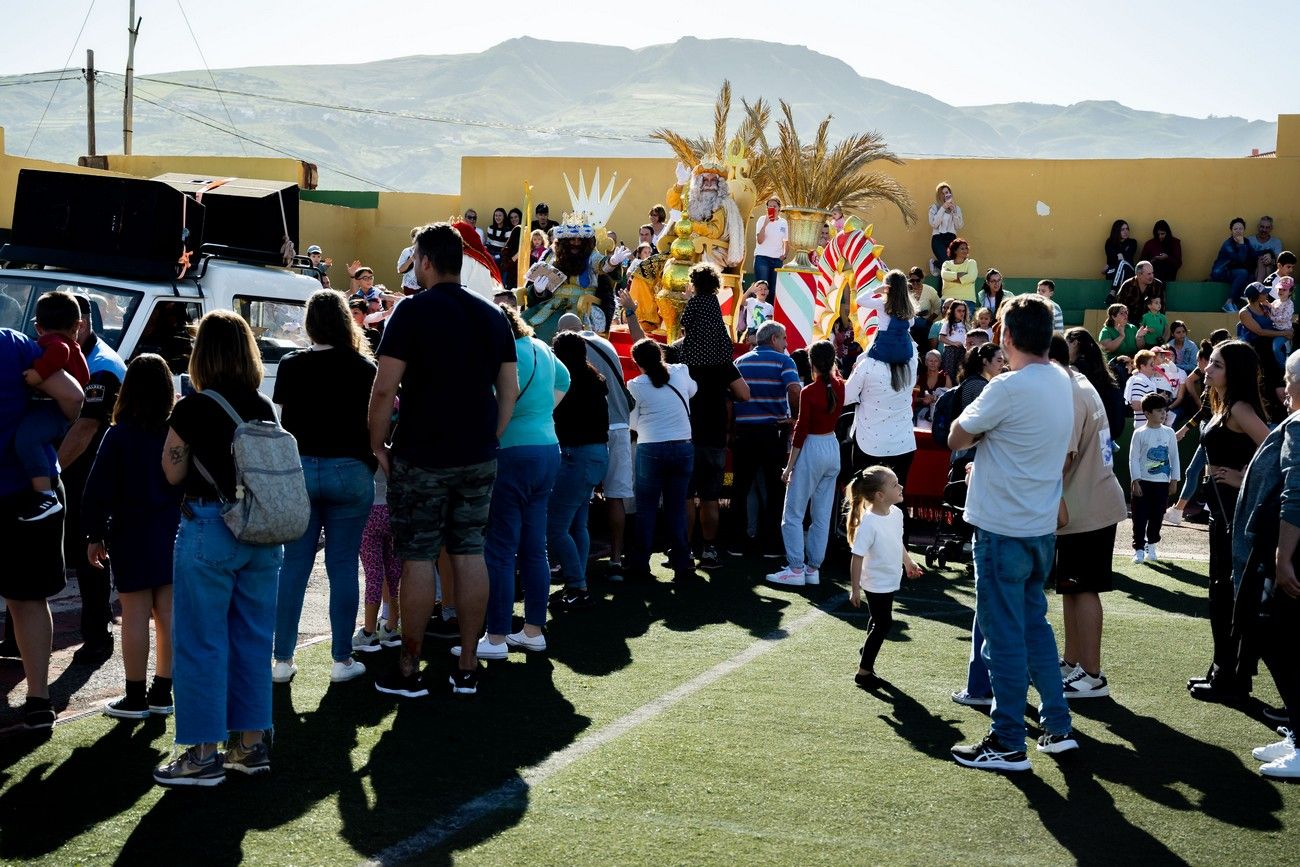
{"x": 1281, "y": 349}
{"x": 341, "y": 491}
{"x": 977, "y": 673}
{"x": 40, "y": 428}
{"x": 812, "y": 484}
{"x": 765, "y": 269}
{"x": 567, "y": 537}
{"x": 1195, "y": 469}
{"x": 516, "y": 534}
{"x": 663, "y": 469}
{"x": 1011, "y": 607}
{"x": 223, "y": 611}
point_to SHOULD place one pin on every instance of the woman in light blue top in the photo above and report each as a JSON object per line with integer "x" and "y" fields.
{"x": 527, "y": 462}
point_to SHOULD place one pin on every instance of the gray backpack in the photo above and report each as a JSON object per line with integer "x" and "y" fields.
{"x": 271, "y": 505}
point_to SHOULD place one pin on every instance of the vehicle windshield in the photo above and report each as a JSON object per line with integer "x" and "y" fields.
{"x": 111, "y": 308}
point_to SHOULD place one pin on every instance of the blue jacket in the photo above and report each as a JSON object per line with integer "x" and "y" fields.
{"x": 17, "y": 352}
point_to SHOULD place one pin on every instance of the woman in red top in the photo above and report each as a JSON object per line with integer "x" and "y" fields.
{"x": 811, "y": 471}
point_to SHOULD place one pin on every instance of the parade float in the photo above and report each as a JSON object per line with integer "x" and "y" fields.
{"x": 820, "y": 282}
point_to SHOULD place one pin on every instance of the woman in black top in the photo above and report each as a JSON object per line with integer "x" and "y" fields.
{"x": 582, "y": 425}
{"x": 324, "y": 395}
{"x": 497, "y": 236}
{"x": 130, "y": 511}
{"x": 1121, "y": 254}
{"x": 223, "y": 606}
{"x": 1235, "y": 430}
{"x": 510, "y": 253}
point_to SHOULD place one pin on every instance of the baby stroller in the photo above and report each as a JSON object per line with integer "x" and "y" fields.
{"x": 953, "y": 538}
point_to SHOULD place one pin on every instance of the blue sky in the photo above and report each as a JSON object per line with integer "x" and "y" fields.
{"x": 1193, "y": 57}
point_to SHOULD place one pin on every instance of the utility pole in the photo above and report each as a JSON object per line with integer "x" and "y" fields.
{"x": 128, "y": 119}
{"x": 90, "y": 102}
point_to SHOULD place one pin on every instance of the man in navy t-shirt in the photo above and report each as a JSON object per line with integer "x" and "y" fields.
{"x": 453, "y": 354}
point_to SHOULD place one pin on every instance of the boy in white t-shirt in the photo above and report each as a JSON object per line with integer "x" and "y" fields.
{"x": 1153, "y": 468}
{"x": 756, "y": 309}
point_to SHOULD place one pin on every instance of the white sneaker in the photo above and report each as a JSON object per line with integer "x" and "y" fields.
{"x": 388, "y": 636}
{"x": 1273, "y": 752}
{"x": 811, "y": 576}
{"x": 1285, "y": 768}
{"x": 1173, "y": 517}
{"x": 486, "y": 649}
{"x": 1080, "y": 684}
{"x": 787, "y": 577}
{"x": 1151, "y": 554}
{"x": 533, "y": 643}
{"x": 283, "y": 672}
{"x": 346, "y": 670}
{"x": 363, "y": 643}
{"x": 1139, "y": 555}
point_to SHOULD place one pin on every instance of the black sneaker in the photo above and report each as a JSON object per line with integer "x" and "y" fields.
{"x": 867, "y": 681}
{"x": 709, "y": 558}
{"x": 95, "y": 651}
{"x": 1050, "y": 743}
{"x": 160, "y": 701}
{"x": 1276, "y": 714}
{"x": 187, "y": 769}
{"x": 614, "y": 571}
{"x": 38, "y": 714}
{"x": 463, "y": 682}
{"x": 570, "y": 599}
{"x": 407, "y": 686}
{"x": 990, "y": 755}
{"x": 442, "y": 628}
{"x": 40, "y": 507}
{"x": 124, "y": 708}
{"x": 252, "y": 760}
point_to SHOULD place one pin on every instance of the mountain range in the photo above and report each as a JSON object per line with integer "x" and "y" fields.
{"x": 533, "y": 97}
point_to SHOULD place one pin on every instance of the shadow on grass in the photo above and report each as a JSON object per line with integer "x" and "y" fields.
{"x": 52, "y": 804}
{"x": 928, "y": 732}
{"x": 1160, "y": 598}
{"x": 1159, "y": 766}
{"x": 438, "y": 755}
{"x": 1178, "y": 573}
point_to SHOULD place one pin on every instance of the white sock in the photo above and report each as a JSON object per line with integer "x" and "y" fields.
{"x": 383, "y": 610}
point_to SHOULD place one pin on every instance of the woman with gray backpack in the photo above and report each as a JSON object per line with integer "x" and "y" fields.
{"x": 242, "y": 500}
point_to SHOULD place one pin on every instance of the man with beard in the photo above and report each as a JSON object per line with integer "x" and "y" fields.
{"x": 586, "y": 291}
{"x": 713, "y": 214}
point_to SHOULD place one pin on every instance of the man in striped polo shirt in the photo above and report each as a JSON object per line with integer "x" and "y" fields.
{"x": 762, "y": 430}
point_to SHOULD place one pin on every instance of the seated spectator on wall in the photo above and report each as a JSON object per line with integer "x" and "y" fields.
{"x": 945, "y": 222}
{"x": 927, "y": 304}
{"x": 1164, "y": 252}
{"x": 959, "y": 273}
{"x": 1234, "y": 265}
{"x": 1265, "y": 247}
{"x": 1285, "y": 268}
{"x": 1136, "y": 291}
{"x": 1119, "y": 337}
{"x": 992, "y": 294}
{"x": 1121, "y": 253}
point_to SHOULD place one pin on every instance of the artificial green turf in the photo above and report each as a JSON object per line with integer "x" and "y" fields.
{"x": 781, "y": 761}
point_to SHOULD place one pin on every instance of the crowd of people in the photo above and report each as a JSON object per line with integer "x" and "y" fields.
{"x": 450, "y": 520}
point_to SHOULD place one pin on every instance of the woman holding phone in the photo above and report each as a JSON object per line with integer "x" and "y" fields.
{"x": 773, "y": 238}
{"x": 945, "y": 222}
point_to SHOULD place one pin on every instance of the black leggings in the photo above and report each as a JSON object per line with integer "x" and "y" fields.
{"x": 881, "y": 606}
{"x": 1279, "y": 645}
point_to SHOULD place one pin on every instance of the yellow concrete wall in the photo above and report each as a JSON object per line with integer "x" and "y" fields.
{"x": 263, "y": 168}
{"x": 999, "y": 199}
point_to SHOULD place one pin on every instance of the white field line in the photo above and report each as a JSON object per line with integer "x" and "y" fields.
{"x": 512, "y": 791}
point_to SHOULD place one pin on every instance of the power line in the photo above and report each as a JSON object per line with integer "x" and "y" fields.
{"x": 40, "y": 80}
{"x": 66, "y": 61}
{"x": 211, "y": 77}
{"x": 207, "y": 121}
{"x": 405, "y": 115}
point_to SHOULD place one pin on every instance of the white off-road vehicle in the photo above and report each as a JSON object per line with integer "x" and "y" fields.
{"x": 120, "y": 243}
